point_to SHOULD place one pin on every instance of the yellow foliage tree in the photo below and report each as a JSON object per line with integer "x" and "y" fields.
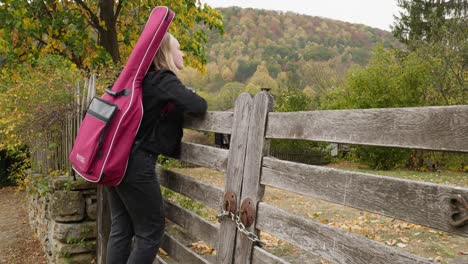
{"x": 227, "y": 74}
{"x": 261, "y": 78}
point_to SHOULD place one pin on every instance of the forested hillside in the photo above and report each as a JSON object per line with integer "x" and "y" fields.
{"x": 284, "y": 50}
{"x": 285, "y": 38}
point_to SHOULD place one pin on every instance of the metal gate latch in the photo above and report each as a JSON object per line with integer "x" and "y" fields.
{"x": 459, "y": 214}
{"x": 230, "y": 202}
{"x": 247, "y": 212}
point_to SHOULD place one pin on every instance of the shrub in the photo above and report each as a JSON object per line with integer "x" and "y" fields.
{"x": 381, "y": 158}
{"x": 35, "y": 100}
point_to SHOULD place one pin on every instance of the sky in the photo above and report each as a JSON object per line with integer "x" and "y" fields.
{"x": 374, "y": 13}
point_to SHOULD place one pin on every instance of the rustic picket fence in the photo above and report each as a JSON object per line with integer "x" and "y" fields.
{"x": 50, "y": 150}
{"x": 249, "y": 169}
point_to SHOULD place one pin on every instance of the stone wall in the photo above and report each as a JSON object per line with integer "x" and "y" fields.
{"x": 62, "y": 213}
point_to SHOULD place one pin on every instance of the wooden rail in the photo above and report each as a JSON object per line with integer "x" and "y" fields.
{"x": 329, "y": 242}
{"x": 433, "y": 128}
{"x": 418, "y": 202}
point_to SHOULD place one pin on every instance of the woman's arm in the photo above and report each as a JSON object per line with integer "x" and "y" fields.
{"x": 171, "y": 89}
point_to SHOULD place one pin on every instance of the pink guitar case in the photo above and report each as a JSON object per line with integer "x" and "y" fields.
{"x": 105, "y": 138}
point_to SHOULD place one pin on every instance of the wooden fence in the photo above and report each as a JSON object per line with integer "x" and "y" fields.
{"x": 50, "y": 150}
{"x": 248, "y": 171}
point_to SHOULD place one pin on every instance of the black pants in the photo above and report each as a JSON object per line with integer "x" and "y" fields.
{"x": 137, "y": 210}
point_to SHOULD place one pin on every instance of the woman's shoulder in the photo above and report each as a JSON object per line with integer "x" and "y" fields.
{"x": 155, "y": 77}
{"x": 161, "y": 81}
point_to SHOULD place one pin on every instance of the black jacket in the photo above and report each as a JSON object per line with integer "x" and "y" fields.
{"x": 165, "y": 101}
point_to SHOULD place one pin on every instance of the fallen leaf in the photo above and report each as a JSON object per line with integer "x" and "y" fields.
{"x": 296, "y": 251}
{"x": 270, "y": 240}
{"x": 401, "y": 245}
{"x": 345, "y": 227}
{"x": 391, "y": 242}
{"x": 404, "y": 239}
{"x": 202, "y": 248}
{"x": 438, "y": 259}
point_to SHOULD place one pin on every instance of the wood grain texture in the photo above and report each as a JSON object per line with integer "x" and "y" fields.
{"x": 234, "y": 174}
{"x": 251, "y": 188}
{"x": 103, "y": 223}
{"x": 422, "y": 203}
{"x": 193, "y": 223}
{"x": 191, "y": 188}
{"x": 219, "y": 122}
{"x": 206, "y": 156}
{"x": 179, "y": 252}
{"x": 435, "y": 128}
{"x": 261, "y": 256}
{"x": 328, "y": 242}
{"x": 159, "y": 260}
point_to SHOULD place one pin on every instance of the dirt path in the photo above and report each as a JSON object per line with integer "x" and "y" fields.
{"x": 17, "y": 242}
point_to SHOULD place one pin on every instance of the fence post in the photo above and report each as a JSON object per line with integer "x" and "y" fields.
{"x": 257, "y": 145}
{"x": 234, "y": 174}
{"x": 103, "y": 225}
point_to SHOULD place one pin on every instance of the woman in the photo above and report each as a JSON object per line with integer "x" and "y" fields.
{"x": 136, "y": 204}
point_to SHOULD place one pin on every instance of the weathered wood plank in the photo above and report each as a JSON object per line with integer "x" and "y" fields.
{"x": 159, "y": 260}
{"x": 205, "y": 156}
{"x": 193, "y": 189}
{"x": 103, "y": 223}
{"x": 234, "y": 174}
{"x": 194, "y": 224}
{"x": 436, "y": 128}
{"x": 328, "y": 242}
{"x": 251, "y": 188}
{"x": 261, "y": 256}
{"x": 418, "y": 202}
{"x": 179, "y": 252}
{"x": 218, "y": 122}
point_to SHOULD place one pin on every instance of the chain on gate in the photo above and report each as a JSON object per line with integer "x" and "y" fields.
{"x": 242, "y": 218}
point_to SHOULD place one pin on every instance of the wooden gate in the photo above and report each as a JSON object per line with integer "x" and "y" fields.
{"x": 249, "y": 169}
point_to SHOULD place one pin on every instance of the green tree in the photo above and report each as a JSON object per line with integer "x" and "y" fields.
{"x": 37, "y": 102}
{"x": 319, "y": 53}
{"x": 437, "y": 31}
{"x": 431, "y": 21}
{"x": 291, "y": 100}
{"x": 387, "y": 81}
{"x": 245, "y": 70}
{"x": 319, "y": 77}
{"x": 90, "y": 33}
{"x": 226, "y": 97}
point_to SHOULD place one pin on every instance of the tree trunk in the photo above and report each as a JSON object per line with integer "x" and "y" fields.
{"x": 108, "y": 34}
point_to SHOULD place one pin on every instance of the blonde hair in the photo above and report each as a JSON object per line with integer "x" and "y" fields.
{"x": 163, "y": 58}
